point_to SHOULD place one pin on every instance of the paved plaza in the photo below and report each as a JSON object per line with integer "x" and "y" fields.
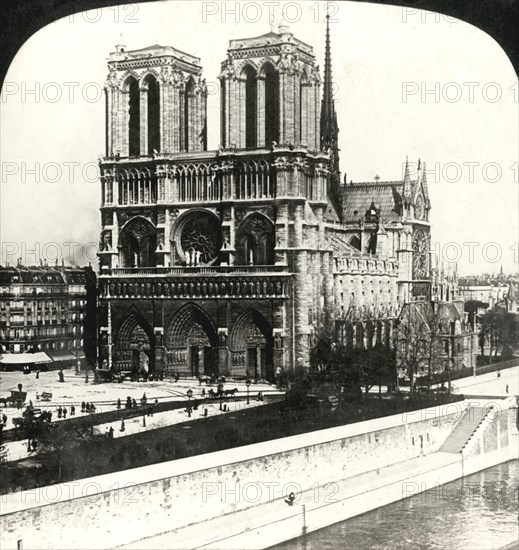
{"x": 74, "y": 390}
{"x": 491, "y": 385}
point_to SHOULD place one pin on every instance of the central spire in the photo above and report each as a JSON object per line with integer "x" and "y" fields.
{"x": 330, "y": 129}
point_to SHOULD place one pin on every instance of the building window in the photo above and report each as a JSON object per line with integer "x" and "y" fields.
{"x": 271, "y": 105}
{"x": 134, "y": 118}
{"x": 251, "y": 107}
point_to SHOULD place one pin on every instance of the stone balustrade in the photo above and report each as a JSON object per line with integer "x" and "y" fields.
{"x": 372, "y": 265}
{"x": 193, "y": 270}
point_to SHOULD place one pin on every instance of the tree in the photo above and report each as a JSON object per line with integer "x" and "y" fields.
{"x": 500, "y": 329}
{"x": 418, "y": 339}
{"x": 472, "y": 307}
{"x": 65, "y": 445}
{"x": 296, "y": 382}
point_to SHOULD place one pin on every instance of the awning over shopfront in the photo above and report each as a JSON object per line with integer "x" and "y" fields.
{"x": 24, "y": 358}
{"x": 65, "y": 355}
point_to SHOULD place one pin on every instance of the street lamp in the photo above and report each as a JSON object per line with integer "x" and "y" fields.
{"x": 189, "y": 394}
{"x": 247, "y": 383}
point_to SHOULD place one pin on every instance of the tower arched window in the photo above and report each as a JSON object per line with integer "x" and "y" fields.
{"x": 134, "y": 117}
{"x": 251, "y": 106}
{"x": 255, "y": 241}
{"x": 223, "y": 109}
{"x": 189, "y": 95}
{"x": 271, "y": 105}
{"x": 153, "y": 114}
{"x": 138, "y": 242}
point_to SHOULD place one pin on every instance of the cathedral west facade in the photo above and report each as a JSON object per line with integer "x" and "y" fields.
{"x": 236, "y": 261}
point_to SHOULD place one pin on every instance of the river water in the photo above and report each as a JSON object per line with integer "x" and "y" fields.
{"x": 478, "y": 512}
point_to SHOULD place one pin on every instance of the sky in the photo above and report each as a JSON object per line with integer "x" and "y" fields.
{"x": 407, "y": 83}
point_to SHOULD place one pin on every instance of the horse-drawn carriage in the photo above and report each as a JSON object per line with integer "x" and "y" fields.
{"x": 16, "y": 399}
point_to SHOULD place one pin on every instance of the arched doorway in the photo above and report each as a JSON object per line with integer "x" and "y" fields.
{"x": 191, "y": 342}
{"x": 251, "y": 346}
{"x": 138, "y": 243}
{"x": 135, "y": 346}
{"x": 255, "y": 241}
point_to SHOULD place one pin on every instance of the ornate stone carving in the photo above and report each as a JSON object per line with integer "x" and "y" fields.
{"x": 171, "y": 76}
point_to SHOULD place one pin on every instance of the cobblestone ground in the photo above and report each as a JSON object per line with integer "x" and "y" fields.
{"x": 74, "y": 390}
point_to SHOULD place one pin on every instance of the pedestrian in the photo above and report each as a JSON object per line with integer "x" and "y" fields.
{"x": 72, "y": 410}
{"x": 37, "y": 374}
{"x": 60, "y": 412}
{"x": 119, "y": 403}
{"x": 64, "y": 412}
{"x": 20, "y": 387}
{"x": 4, "y": 419}
{"x": 203, "y": 392}
{"x": 150, "y": 411}
{"x": 83, "y": 406}
{"x": 92, "y": 408}
{"x": 122, "y": 428}
{"x": 499, "y": 374}
{"x": 134, "y": 404}
{"x": 507, "y": 388}
{"x": 61, "y": 376}
{"x": 128, "y": 402}
{"x": 111, "y": 433}
{"x": 86, "y": 377}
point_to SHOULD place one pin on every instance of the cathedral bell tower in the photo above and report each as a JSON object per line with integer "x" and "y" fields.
{"x": 156, "y": 102}
{"x": 269, "y": 93}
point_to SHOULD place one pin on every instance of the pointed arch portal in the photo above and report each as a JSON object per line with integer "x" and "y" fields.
{"x": 251, "y": 346}
{"x": 135, "y": 345}
{"x": 192, "y": 342}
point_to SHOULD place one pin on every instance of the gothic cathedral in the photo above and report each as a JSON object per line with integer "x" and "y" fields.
{"x": 236, "y": 261}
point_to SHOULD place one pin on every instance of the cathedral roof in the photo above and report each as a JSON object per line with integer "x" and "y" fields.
{"x": 270, "y": 39}
{"x": 386, "y": 195}
{"x": 153, "y": 51}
